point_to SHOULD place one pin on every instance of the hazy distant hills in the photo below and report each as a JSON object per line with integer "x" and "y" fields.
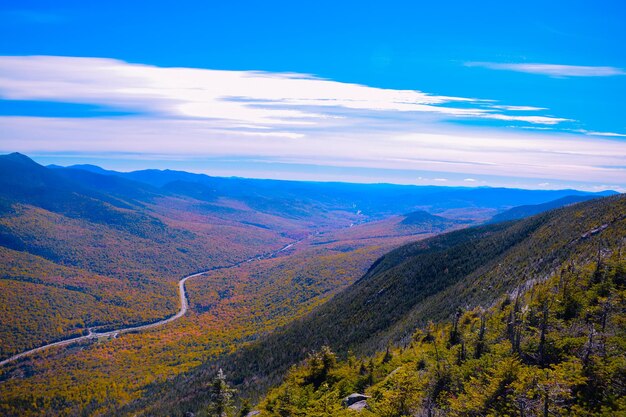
{"x": 414, "y": 284}
{"x": 372, "y": 199}
{"x": 530, "y": 210}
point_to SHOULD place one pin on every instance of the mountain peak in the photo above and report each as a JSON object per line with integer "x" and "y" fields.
{"x": 18, "y": 157}
{"x": 421, "y": 217}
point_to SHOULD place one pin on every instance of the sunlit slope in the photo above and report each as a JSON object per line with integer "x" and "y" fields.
{"x": 113, "y": 246}
{"x": 553, "y": 347}
{"x": 427, "y": 280}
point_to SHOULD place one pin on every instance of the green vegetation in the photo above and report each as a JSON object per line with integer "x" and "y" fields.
{"x": 427, "y": 221}
{"x": 81, "y": 250}
{"x": 555, "y": 348}
{"x": 230, "y": 307}
{"x": 102, "y": 251}
{"x": 406, "y": 289}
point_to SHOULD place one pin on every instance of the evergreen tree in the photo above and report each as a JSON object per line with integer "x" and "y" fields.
{"x": 221, "y": 396}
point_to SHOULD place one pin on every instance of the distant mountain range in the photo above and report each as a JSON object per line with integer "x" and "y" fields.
{"x": 372, "y": 199}
{"x": 55, "y": 216}
{"x": 85, "y": 248}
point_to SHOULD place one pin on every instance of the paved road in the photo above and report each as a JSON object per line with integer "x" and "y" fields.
{"x": 184, "y": 306}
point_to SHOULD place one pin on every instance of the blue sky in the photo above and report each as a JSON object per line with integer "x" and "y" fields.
{"x": 523, "y": 94}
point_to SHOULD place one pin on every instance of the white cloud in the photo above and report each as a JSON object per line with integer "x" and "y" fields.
{"x": 544, "y": 120}
{"x": 592, "y": 133}
{"x": 244, "y": 97}
{"x": 289, "y": 118}
{"x": 518, "y": 108}
{"x": 469, "y": 180}
{"x": 464, "y": 151}
{"x": 552, "y": 70}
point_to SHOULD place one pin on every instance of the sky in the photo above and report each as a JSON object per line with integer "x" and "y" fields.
{"x": 517, "y": 94}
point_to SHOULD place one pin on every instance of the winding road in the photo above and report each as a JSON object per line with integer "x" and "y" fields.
{"x": 184, "y": 306}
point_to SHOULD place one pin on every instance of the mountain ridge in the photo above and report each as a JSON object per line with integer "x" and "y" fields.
{"x": 385, "y": 305}
{"x": 370, "y": 198}
{"x": 106, "y": 249}
{"x": 530, "y": 210}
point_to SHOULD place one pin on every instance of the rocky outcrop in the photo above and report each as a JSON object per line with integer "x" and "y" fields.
{"x": 353, "y": 399}
{"x": 359, "y": 406}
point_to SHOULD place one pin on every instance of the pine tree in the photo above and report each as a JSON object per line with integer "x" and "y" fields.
{"x": 221, "y": 396}
{"x": 480, "y": 343}
{"x": 388, "y": 356}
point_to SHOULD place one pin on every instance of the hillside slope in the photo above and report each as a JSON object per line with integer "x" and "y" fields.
{"x": 375, "y": 200}
{"x": 520, "y": 212}
{"x": 553, "y": 348}
{"x": 408, "y": 287}
{"x": 115, "y": 248}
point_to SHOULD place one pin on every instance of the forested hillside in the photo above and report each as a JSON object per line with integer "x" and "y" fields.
{"x": 229, "y": 307}
{"x": 411, "y": 286}
{"x": 552, "y": 348}
{"x": 520, "y": 212}
{"x": 112, "y": 246}
{"x": 127, "y": 237}
{"x": 85, "y": 249}
{"x": 88, "y": 249}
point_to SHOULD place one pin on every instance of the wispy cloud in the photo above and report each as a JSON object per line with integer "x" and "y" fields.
{"x": 544, "y": 120}
{"x": 249, "y": 97}
{"x": 609, "y": 134}
{"x": 517, "y": 108}
{"x": 552, "y": 70}
{"x": 291, "y": 119}
{"x": 465, "y": 151}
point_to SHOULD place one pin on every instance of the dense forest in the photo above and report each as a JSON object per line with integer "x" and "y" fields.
{"x": 83, "y": 248}
{"x": 427, "y": 281}
{"x": 230, "y": 307}
{"x": 554, "y": 348}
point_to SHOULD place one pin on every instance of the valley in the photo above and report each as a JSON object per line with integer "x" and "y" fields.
{"x": 184, "y": 306}
{"x": 410, "y": 287}
{"x": 312, "y": 209}
{"x": 92, "y": 263}
{"x": 228, "y": 308}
